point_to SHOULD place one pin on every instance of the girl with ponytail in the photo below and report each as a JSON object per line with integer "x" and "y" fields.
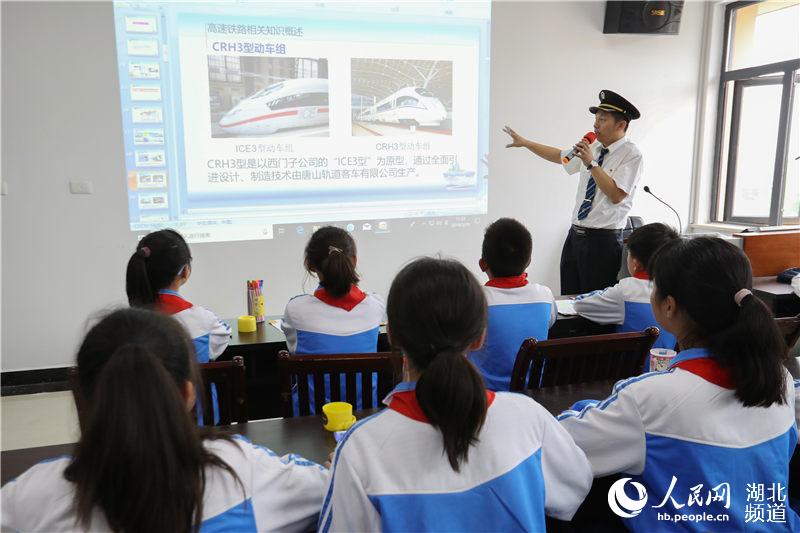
{"x": 338, "y": 317}
{"x": 448, "y": 455}
{"x": 160, "y": 266}
{"x": 723, "y": 412}
{"x": 141, "y": 464}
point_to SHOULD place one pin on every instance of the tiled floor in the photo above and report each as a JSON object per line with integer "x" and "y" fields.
{"x": 30, "y": 420}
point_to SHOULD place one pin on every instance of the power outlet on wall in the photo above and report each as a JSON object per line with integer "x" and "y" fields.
{"x": 80, "y": 187}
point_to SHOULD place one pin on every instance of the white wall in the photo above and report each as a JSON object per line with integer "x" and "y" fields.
{"x": 63, "y": 256}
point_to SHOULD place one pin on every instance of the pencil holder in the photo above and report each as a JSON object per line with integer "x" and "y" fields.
{"x": 255, "y": 299}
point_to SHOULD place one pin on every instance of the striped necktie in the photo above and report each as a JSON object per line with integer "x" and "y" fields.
{"x": 591, "y": 189}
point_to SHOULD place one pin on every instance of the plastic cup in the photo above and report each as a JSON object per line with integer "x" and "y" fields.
{"x": 337, "y": 416}
{"x": 661, "y": 358}
{"x": 247, "y": 324}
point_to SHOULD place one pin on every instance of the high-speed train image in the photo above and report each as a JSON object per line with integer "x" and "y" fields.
{"x": 292, "y": 103}
{"x": 409, "y": 105}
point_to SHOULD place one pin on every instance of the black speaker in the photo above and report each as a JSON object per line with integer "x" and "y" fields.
{"x": 643, "y": 17}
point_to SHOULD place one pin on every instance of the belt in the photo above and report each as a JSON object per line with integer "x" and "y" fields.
{"x": 580, "y": 230}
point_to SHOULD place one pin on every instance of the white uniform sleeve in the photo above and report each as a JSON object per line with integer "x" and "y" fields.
{"x": 604, "y": 307}
{"x": 566, "y": 471}
{"x": 611, "y": 434}
{"x": 8, "y": 518}
{"x": 628, "y": 172}
{"x": 287, "y": 491}
{"x": 553, "y": 309}
{"x": 796, "y": 286}
{"x": 219, "y": 335}
{"x": 287, "y": 325}
{"x": 574, "y": 166}
{"x": 346, "y": 506}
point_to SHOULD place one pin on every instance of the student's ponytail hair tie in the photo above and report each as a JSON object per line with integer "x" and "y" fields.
{"x": 144, "y": 251}
{"x": 333, "y": 249}
{"x": 739, "y": 296}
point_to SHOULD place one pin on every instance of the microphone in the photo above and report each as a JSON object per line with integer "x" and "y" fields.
{"x": 590, "y": 137}
{"x": 648, "y": 191}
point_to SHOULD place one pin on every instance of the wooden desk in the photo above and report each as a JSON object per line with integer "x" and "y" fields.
{"x": 779, "y": 297}
{"x": 771, "y": 252}
{"x": 302, "y": 435}
{"x": 260, "y": 352}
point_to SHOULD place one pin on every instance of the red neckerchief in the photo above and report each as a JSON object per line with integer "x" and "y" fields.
{"x": 642, "y": 274}
{"x": 346, "y": 302}
{"x": 709, "y": 370}
{"x": 406, "y": 404}
{"x": 171, "y": 304}
{"x": 509, "y": 282}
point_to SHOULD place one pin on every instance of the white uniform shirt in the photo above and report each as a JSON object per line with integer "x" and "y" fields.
{"x": 624, "y": 164}
{"x": 390, "y": 473}
{"x": 280, "y": 493}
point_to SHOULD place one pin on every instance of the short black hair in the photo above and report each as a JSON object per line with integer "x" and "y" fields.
{"x": 507, "y": 247}
{"x": 619, "y": 116}
{"x": 644, "y": 241}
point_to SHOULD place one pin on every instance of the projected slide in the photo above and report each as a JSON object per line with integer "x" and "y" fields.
{"x": 241, "y": 117}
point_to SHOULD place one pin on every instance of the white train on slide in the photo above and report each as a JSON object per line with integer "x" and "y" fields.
{"x": 408, "y": 106}
{"x": 292, "y": 103}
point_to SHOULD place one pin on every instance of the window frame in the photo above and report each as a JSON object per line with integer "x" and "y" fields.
{"x": 787, "y": 74}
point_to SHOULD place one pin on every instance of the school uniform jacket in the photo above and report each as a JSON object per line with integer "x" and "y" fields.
{"x": 518, "y": 310}
{"x": 321, "y": 324}
{"x": 687, "y": 423}
{"x": 626, "y": 304}
{"x": 278, "y": 494}
{"x": 390, "y": 472}
{"x": 209, "y": 334}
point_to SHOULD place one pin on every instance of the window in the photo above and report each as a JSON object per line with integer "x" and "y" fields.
{"x": 407, "y": 101}
{"x": 757, "y": 180}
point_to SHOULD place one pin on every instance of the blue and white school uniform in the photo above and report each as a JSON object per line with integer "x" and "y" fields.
{"x": 209, "y": 334}
{"x": 278, "y": 494}
{"x": 390, "y": 472}
{"x": 626, "y": 304}
{"x": 518, "y": 310}
{"x": 321, "y": 324}
{"x": 686, "y": 423}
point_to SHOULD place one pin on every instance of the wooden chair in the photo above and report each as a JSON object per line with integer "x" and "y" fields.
{"x": 586, "y": 359}
{"x": 790, "y": 329}
{"x": 228, "y": 378}
{"x": 296, "y": 368}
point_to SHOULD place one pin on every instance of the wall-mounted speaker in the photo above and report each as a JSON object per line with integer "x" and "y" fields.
{"x": 643, "y": 17}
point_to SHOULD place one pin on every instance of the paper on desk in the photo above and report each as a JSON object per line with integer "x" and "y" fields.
{"x": 566, "y": 307}
{"x": 277, "y": 323}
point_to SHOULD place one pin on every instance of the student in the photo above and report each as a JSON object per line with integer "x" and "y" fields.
{"x": 517, "y": 309}
{"x": 339, "y": 317}
{"x": 141, "y": 464}
{"x": 720, "y": 420}
{"x": 627, "y": 303}
{"x": 158, "y": 268}
{"x": 448, "y": 455}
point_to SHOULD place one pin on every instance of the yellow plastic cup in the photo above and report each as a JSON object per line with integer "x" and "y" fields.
{"x": 247, "y": 324}
{"x": 337, "y": 416}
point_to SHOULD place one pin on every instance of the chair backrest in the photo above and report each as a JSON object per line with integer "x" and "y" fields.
{"x": 585, "y": 359}
{"x": 296, "y": 368}
{"x": 228, "y": 378}
{"x": 790, "y": 329}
